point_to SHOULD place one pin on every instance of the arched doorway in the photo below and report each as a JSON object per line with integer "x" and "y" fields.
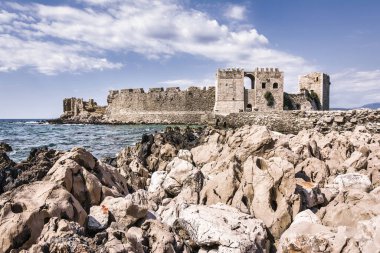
{"x": 249, "y": 108}
{"x": 249, "y": 81}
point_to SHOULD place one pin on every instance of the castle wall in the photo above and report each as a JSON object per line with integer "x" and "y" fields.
{"x": 300, "y": 102}
{"x": 129, "y": 105}
{"x": 269, "y": 77}
{"x": 250, "y": 99}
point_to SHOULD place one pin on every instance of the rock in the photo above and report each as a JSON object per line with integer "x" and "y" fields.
{"x": 313, "y": 170}
{"x": 356, "y": 162}
{"x": 352, "y": 181}
{"x": 89, "y": 183}
{"x": 98, "y": 218}
{"x": 185, "y": 155}
{"x": 25, "y": 210}
{"x": 350, "y": 207}
{"x": 339, "y": 119}
{"x": 60, "y": 235}
{"x": 310, "y": 194}
{"x": 307, "y": 234}
{"x": 160, "y": 239}
{"x": 221, "y": 228}
{"x": 179, "y": 171}
{"x": 127, "y": 210}
{"x": 155, "y": 188}
{"x": 34, "y": 168}
{"x": 4, "y": 147}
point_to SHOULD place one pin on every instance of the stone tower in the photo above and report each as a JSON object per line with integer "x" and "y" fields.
{"x": 229, "y": 92}
{"x": 318, "y": 83}
{"x": 269, "y": 80}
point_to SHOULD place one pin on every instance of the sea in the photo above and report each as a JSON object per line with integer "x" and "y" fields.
{"x": 100, "y": 140}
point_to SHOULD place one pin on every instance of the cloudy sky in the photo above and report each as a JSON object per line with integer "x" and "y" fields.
{"x": 52, "y": 49}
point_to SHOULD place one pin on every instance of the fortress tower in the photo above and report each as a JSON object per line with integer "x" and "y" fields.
{"x": 264, "y": 94}
{"x": 318, "y": 83}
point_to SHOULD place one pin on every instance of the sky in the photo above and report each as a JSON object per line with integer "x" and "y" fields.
{"x": 52, "y": 49}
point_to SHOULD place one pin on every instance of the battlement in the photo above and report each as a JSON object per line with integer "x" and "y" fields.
{"x": 267, "y": 70}
{"x": 230, "y": 73}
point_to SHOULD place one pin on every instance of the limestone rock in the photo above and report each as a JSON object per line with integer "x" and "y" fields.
{"x": 185, "y": 155}
{"x": 24, "y": 211}
{"x": 98, "y": 218}
{"x": 179, "y": 171}
{"x": 127, "y": 210}
{"x": 222, "y": 228}
{"x": 160, "y": 239}
{"x": 310, "y": 193}
{"x": 352, "y": 181}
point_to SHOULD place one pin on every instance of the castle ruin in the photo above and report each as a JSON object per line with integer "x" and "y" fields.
{"x": 265, "y": 93}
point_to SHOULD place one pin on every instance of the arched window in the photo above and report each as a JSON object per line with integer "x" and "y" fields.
{"x": 275, "y": 86}
{"x": 249, "y": 108}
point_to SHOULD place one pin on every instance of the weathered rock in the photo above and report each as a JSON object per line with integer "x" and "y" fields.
{"x": 98, "y": 218}
{"x": 127, "y": 210}
{"x": 221, "y": 228}
{"x": 352, "y": 181}
{"x": 34, "y": 168}
{"x": 60, "y": 235}
{"x": 307, "y": 234}
{"x": 90, "y": 182}
{"x": 310, "y": 193}
{"x": 25, "y": 210}
{"x": 160, "y": 239}
{"x": 179, "y": 171}
{"x": 313, "y": 170}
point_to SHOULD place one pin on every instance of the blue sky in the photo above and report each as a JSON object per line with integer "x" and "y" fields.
{"x": 50, "y": 50}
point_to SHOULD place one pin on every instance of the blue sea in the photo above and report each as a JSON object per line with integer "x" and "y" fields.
{"x": 100, "y": 140}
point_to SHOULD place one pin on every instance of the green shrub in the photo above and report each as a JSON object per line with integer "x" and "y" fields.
{"x": 269, "y": 98}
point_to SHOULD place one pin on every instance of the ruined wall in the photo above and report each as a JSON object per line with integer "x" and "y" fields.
{"x": 169, "y": 105}
{"x": 229, "y": 96}
{"x": 295, "y": 121}
{"x": 301, "y": 101}
{"x": 320, "y": 84}
{"x": 266, "y": 80}
{"x": 75, "y": 106}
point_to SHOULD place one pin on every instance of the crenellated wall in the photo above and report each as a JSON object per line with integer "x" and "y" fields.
{"x": 158, "y": 104}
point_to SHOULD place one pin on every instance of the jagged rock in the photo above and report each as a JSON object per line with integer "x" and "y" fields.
{"x": 90, "y": 182}
{"x": 160, "y": 239}
{"x": 314, "y": 170}
{"x": 350, "y": 207}
{"x": 179, "y": 171}
{"x": 155, "y": 188}
{"x": 34, "y": 168}
{"x": 185, "y": 155}
{"x": 221, "y": 228}
{"x": 310, "y": 193}
{"x": 127, "y": 210}
{"x": 98, "y": 218}
{"x": 356, "y": 162}
{"x": 60, "y": 235}
{"x": 5, "y": 147}
{"x": 352, "y": 181}
{"x": 307, "y": 234}
{"x": 25, "y": 210}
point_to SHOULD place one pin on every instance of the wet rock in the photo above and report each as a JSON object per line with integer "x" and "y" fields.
{"x": 4, "y": 147}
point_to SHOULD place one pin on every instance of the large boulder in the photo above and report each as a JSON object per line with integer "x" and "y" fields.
{"x": 221, "y": 228}
{"x": 25, "y": 210}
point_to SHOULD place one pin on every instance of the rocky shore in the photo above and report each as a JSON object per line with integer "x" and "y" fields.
{"x": 247, "y": 189}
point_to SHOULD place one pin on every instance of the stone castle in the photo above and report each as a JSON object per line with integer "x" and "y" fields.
{"x": 198, "y": 105}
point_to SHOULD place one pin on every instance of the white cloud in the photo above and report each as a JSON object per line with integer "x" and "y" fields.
{"x": 69, "y": 38}
{"x": 353, "y": 88}
{"x": 235, "y": 12}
